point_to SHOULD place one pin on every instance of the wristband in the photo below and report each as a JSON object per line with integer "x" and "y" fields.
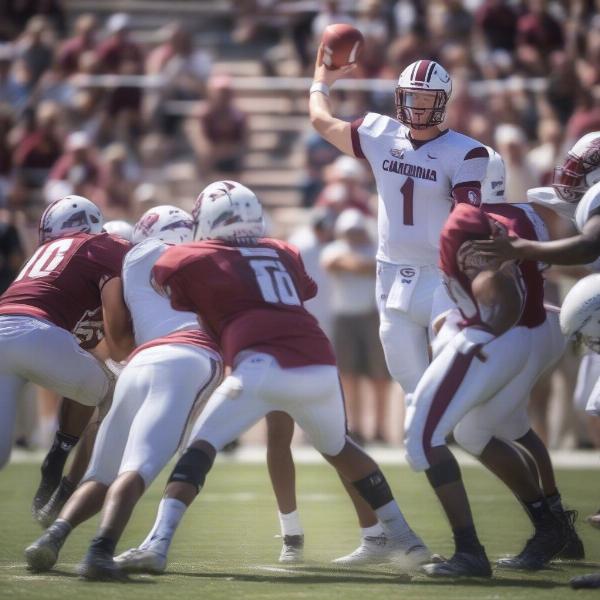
{"x": 319, "y": 86}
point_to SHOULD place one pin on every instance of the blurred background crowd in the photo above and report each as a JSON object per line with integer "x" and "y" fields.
{"x": 145, "y": 107}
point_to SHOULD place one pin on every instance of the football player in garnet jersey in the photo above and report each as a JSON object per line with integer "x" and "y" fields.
{"x": 55, "y": 307}
{"x": 421, "y": 171}
{"x": 173, "y": 370}
{"x": 575, "y": 182}
{"x": 476, "y": 384}
{"x": 250, "y": 292}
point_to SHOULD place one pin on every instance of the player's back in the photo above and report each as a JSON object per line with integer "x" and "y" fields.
{"x": 467, "y": 223}
{"x": 151, "y": 313}
{"x": 251, "y": 296}
{"x": 63, "y": 280}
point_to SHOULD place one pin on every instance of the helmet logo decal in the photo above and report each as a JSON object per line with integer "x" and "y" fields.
{"x": 147, "y": 223}
{"x": 77, "y": 219}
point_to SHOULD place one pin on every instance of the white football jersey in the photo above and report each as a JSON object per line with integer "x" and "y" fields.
{"x": 586, "y": 207}
{"x": 415, "y": 182}
{"x": 152, "y": 314}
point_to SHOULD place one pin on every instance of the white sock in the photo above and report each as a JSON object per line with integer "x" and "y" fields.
{"x": 170, "y": 512}
{"x": 392, "y": 520}
{"x": 290, "y": 524}
{"x": 373, "y": 531}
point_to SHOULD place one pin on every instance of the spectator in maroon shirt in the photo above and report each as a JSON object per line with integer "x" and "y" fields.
{"x": 83, "y": 41}
{"x": 118, "y": 50}
{"x": 219, "y": 136}
{"x": 497, "y": 20}
{"x": 40, "y": 147}
{"x": 539, "y": 30}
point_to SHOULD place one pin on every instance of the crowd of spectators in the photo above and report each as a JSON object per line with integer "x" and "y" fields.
{"x": 526, "y": 75}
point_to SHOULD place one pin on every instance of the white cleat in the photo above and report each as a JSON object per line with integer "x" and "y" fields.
{"x": 408, "y": 552}
{"x": 373, "y": 550}
{"x": 292, "y": 550}
{"x": 137, "y": 560}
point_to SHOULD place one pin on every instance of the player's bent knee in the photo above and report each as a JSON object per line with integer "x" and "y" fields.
{"x": 192, "y": 468}
{"x": 443, "y": 473}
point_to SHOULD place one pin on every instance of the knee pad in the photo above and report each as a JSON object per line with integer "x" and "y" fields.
{"x": 192, "y": 468}
{"x": 443, "y": 473}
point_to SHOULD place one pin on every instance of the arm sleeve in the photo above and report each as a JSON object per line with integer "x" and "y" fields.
{"x": 468, "y": 175}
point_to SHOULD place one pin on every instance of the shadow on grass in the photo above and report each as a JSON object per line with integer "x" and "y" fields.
{"x": 71, "y": 575}
{"x": 335, "y": 576}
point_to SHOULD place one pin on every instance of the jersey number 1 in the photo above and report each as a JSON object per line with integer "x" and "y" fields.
{"x": 407, "y": 190}
{"x": 275, "y": 282}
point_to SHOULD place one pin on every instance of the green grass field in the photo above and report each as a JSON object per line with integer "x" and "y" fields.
{"x": 226, "y": 547}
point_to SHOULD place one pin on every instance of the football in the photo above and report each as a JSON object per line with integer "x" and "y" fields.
{"x": 342, "y": 44}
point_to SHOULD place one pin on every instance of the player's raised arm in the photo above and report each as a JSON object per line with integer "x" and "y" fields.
{"x": 334, "y": 130}
{"x": 117, "y": 321}
{"x": 576, "y": 250}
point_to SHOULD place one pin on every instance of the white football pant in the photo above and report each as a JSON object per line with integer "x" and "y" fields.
{"x": 153, "y": 399}
{"x": 311, "y": 395}
{"x": 35, "y": 350}
{"x": 478, "y": 388}
{"x": 405, "y": 329}
{"x": 587, "y": 392}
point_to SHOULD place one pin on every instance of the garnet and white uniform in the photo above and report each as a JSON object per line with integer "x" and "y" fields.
{"x": 417, "y": 184}
{"x": 479, "y": 384}
{"x": 54, "y": 302}
{"x": 252, "y": 298}
{"x": 172, "y": 372}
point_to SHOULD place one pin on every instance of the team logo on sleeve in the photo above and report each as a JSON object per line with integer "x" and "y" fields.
{"x": 398, "y": 153}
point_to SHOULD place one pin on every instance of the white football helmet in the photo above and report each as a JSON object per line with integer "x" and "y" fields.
{"x": 580, "y": 312}
{"x": 228, "y": 210}
{"x": 492, "y": 187}
{"x": 580, "y": 169}
{"x": 166, "y": 223}
{"x": 72, "y": 214}
{"x": 121, "y": 228}
{"x": 422, "y": 93}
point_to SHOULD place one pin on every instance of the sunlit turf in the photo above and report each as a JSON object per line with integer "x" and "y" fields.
{"x": 226, "y": 547}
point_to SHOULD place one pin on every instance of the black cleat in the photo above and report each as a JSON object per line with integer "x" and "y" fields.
{"x": 462, "y": 564}
{"x": 100, "y": 566}
{"x": 540, "y": 549}
{"x": 574, "y": 549}
{"x": 43, "y": 493}
{"x": 43, "y": 553}
{"x": 48, "y": 513}
{"x": 586, "y": 581}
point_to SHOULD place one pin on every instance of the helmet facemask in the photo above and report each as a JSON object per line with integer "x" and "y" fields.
{"x": 420, "y": 109}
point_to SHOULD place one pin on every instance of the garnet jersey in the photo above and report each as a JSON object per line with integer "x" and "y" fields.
{"x": 155, "y": 322}
{"x": 472, "y": 223}
{"x": 250, "y": 296}
{"x": 63, "y": 280}
{"x": 417, "y": 184}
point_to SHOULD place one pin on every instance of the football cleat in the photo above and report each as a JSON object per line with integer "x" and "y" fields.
{"x": 139, "y": 560}
{"x": 293, "y": 549}
{"x": 573, "y": 549}
{"x": 43, "y": 494}
{"x": 540, "y": 549}
{"x": 48, "y": 513}
{"x": 586, "y": 581}
{"x": 98, "y": 565}
{"x": 462, "y": 564}
{"x": 43, "y": 553}
{"x": 372, "y": 551}
{"x": 594, "y": 520}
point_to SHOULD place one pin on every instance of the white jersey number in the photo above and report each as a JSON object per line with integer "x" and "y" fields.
{"x": 46, "y": 259}
{"x": 275, "y": 282}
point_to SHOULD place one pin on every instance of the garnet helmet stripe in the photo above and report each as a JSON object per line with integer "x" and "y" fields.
{"x": 430, "y": 71}
{"x": 422, "y": 70}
